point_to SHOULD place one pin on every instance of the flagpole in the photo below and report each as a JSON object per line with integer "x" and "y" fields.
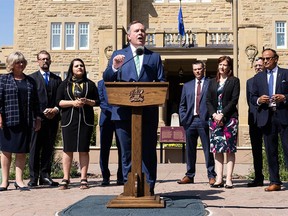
{"x": 181, "y": 36}
{"x": 180, "y": 41}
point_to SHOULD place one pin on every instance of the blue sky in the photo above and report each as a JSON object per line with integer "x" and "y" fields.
{"x": 6, "y": 22}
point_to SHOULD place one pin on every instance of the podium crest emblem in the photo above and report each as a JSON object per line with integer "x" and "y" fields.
{"x": 136, "y": 95}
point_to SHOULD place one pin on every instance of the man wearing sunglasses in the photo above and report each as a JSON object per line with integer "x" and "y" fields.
{"x": 270, "y": 94}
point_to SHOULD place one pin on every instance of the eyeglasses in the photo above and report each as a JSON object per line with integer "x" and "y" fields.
{"x": 44, "y": 59}
{"x": 268, "y": 58}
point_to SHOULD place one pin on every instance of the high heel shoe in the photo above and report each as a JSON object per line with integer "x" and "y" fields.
{"x": 218, "y": 185}
{"x": 4, "y": 188}
{"x": 24, "y": 188}
{"x": 229, "y": 186}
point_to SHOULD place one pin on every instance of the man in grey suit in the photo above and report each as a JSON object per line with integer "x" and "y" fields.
{"x": 254, "y": 131}
{"x": 43, "y": 141}
{"x": 194, "y": 118}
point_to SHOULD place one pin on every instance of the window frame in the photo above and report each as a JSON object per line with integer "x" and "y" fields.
{"x": 279, "y": 32}
{"x": 87, "y": 35}
{"x": 53, "y": 35}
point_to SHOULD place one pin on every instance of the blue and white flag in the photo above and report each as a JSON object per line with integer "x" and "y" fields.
{"x": 181, "y": 28}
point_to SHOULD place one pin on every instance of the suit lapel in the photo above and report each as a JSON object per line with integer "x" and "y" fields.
{"x": 265, "y": 82}
{"x": 145, "y": 62}
{"x": 278, "y": 80}
{"x": 193, "y": 95}
{"x": 131, "y": 64}
{"x": 204, "y": 87}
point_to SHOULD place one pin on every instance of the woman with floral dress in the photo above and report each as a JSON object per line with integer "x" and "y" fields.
{"x": 222, "y": 99}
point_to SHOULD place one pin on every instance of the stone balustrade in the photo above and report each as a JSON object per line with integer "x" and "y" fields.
{"x": 191, "y": 39}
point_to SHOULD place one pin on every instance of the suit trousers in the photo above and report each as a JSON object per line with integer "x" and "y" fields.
{"x": 106, "y": 137}
{"x": 270, "y": 134}
{"x": 256, "y": 137}
{"x": 196, "y": 129}
{"x": 41, "y": 149}
{"x": 149, "y": 142}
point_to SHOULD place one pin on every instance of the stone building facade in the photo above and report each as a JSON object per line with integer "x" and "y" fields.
{"x": 87, "y": 28}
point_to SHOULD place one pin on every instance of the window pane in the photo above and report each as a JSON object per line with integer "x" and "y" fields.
{"x": 281, "y": 35}
{"x": 69, "y": 36}
{"x": 55, "y": 36}
{"x": 83, "y": 35}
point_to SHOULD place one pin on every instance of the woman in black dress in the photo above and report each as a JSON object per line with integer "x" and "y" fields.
{"x": 76, "y": 96}
{"x": 19, "y": 112}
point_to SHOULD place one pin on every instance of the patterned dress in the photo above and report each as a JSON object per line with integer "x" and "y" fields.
{"x": 223, "y": 139}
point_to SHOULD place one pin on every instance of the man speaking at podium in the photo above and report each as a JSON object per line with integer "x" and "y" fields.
{"x": 136, "y": 64}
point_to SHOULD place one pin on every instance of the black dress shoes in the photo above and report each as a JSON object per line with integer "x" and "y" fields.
{"x": 120, "y": 182}
{"x": 48, "y": 181}
{"x": 105, "y": 182}
{"x": 255, "y": 184}
{"x": 32, "y": 183}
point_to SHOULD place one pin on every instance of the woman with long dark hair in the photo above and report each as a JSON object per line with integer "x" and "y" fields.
{"x": 76, "y": 96}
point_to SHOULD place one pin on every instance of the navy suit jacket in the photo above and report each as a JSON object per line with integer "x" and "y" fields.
{"x": 252, "y": 109}
{"x": 54, "y": 82}
{"x": 187, "y": 103}
{"x": 260, "y": 87}
{"x": 151, "y": 70}
{"x": 106, "y": 109}
{"x": 230, "y": 96}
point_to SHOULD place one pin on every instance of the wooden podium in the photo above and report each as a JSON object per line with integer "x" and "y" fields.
{"x": 136, "y": 95}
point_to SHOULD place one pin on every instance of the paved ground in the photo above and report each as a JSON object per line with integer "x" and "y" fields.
{"x": 219, "y": 202}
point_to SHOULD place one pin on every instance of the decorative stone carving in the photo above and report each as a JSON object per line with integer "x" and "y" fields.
{"x": 251, "y": 52}
{"x": 108, "y": 52}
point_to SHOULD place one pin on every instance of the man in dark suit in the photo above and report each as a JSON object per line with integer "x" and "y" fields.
{"x": 194, "y": 118}
{"x": 254, "y": 131}
{"x": 270, "y": 94}
{"x": 107, "y": 128}
{"x": 43, "y": 141}
{"x": 144, "y": 68}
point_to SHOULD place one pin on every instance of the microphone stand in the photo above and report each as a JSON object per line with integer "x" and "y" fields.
{"x": 139, "y": 51}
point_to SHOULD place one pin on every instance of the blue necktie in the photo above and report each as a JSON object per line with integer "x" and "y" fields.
{"x": 46, "y": 78}
{"x": 270, "y": 83}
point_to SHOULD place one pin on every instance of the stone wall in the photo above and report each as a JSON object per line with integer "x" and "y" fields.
{"x": 256, "y": 20}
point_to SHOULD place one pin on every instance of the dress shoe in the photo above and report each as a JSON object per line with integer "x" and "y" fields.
{"x": 24, "y": 188}
{"x": 229, "y": 186}
{"x": 48, "y": 181}
{"x": 4, "y": 188}
{"x": 119, "y": 182}
{"x": 212, "y": 181}
{"x": 273, "y": 187}
{"x": 105, "y": 182}
{"x": 255, "y": 183}
{"x": 218, "y": 185}
{"x": 32, "y": 183}
{"x": 186, "y": 180}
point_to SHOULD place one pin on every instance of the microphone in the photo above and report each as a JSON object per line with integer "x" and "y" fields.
{"x": 139, "y": 51}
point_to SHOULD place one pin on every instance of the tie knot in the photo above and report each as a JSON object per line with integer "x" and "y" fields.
{"x": 270, "y": 71}
{"x": 199, "y": 82}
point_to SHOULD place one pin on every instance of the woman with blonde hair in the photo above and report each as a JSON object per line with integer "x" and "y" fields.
{"x": 19, "y": 115}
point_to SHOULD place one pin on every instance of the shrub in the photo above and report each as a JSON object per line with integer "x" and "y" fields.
{"x": 283, "y": 172}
